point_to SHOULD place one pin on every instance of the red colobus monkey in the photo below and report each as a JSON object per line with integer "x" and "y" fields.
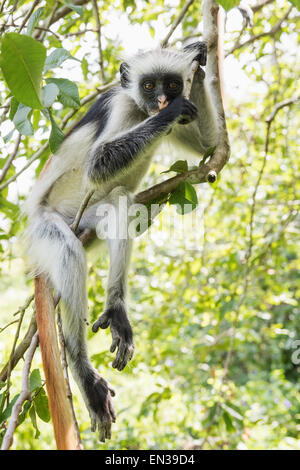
{"x": 109, "y": 151}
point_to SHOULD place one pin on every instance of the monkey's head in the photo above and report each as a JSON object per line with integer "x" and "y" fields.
{"x": 154, "y": 79}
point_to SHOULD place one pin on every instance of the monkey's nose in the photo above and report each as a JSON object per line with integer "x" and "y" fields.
{"x": 162, "y": 102}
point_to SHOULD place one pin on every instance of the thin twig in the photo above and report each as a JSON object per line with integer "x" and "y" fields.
{"x": 20, "y": 350}
{"x": 30, "y": 161}
{"x": 81, "y": 210}
{"x": 24, "y": 395}
{"x": 10, "y": 158}
{"x": 98, "y": 23}
{"x": 252, "y": 39}
{"x": 281, "y": 105}
{"x": 178, "y": 20}
{"x": 9, "y": 368}
{"x": 28, "y": 15}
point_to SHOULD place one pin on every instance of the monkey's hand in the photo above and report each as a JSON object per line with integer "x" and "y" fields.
{"x": 186, "y": 110}
{"x": 200, "y": 49}
{"x": 121, "y": 332}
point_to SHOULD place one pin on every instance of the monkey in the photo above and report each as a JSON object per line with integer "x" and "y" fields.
{"x": 110, "y": 150}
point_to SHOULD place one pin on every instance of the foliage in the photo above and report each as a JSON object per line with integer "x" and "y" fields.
{"x": 215, "y": 323}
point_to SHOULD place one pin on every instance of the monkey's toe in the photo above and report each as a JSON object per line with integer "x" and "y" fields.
{"x": 124, "y": 355}
{"x": 102, "y": 322}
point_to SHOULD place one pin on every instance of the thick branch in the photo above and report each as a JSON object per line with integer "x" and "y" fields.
{"x": 64, "y": 431}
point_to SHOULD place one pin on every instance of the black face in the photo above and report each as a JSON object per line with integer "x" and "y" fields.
{"x": 158, "y": 90}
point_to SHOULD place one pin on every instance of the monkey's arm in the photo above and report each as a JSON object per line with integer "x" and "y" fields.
{"x": 205, "y": 122}
{"x": 109, "y": 158}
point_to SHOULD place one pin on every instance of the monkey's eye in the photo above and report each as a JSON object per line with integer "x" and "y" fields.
{"x": 148, "y": 85}
{"x": 173, "y": 85}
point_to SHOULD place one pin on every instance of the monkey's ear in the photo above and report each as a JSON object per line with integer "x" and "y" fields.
{"x": 124, "y": 74}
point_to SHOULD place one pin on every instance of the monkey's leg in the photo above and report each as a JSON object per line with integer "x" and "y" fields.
{"x": 56, "y": 252}
{"x": 115, "y": 314}
{"x": 110, "y": 219}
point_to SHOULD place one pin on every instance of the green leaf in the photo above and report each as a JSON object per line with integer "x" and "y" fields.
{"x": 296, "y": 3}
{"x": 185, "y": 196}
{"x": 179, "y": 167}
{"x": 21, "y": 121}
{"x": 84, "y": 68}
{"x": 56, "y": 136}
{"x": 34, "y": 422}
{"x": 42, "y": 406}
{"x": 56, "y": 58}
{"x": 207, "y": 154}
{"x": 228, "y": 4}
{"x": 33, "y": 20}
{"x": 22, "y": 62}
{"x": 228, "y": 422}
{"x": 7, "y": 412}
{"x": 35, "y": 380}
{"x": 68, "y": 91}
{"x": 9, "y": 208}
{"x": 7, "y": 137}
{"x": 48, "y": 94}
{"x": 22, "y": 415}
{"x": 13, "y": 108}
{"x": 76, "y": 8}
{"x": 235, "y": 414}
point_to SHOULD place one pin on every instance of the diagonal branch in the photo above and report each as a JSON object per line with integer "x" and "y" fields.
{"x": 24, "y": 395}
{"x": 177, "y": 22}
{"x": 271, "y": 33}
{"x": 98, "y": 24}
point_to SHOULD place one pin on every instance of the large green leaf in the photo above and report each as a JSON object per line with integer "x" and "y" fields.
{"x": 22, "y": 62}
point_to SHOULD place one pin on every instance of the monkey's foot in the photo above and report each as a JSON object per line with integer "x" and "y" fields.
{"x": 121, "y": 332}
{"x": 100, "y": 407}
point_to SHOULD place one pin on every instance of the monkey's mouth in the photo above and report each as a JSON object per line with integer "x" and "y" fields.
{"x": 153, "y": 112}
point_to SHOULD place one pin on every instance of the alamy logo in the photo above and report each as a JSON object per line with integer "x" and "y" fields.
{"x": 123, "y": 220}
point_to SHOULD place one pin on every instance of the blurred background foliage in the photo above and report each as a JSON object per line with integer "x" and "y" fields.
{"x": 216, "y": 325}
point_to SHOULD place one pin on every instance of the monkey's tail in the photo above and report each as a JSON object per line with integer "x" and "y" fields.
{"x": 55, "y": 252}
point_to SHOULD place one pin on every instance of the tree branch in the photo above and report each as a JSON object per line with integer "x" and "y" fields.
{"x": 20, "y": 350}
{"x": 177, "y": 22}
{"x": 24, "y": 395}
{"x": 98, "y": 24}
{"x": 271, "y": 33}
{"x": 61, "y": 414}
{"x": 10, "y": 158}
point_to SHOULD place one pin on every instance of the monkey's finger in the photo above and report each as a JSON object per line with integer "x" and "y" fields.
{"x": 114, "y": 344}
{"x": 102, "y": 322}
{"x": 121, "y": 361}
{"x": 93, "y": 424}
{"x": 112, "y": 412}
{"x": 111, "y": 391}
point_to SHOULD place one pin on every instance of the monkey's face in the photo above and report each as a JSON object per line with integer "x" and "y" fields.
{"x": 157, "y": 90}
